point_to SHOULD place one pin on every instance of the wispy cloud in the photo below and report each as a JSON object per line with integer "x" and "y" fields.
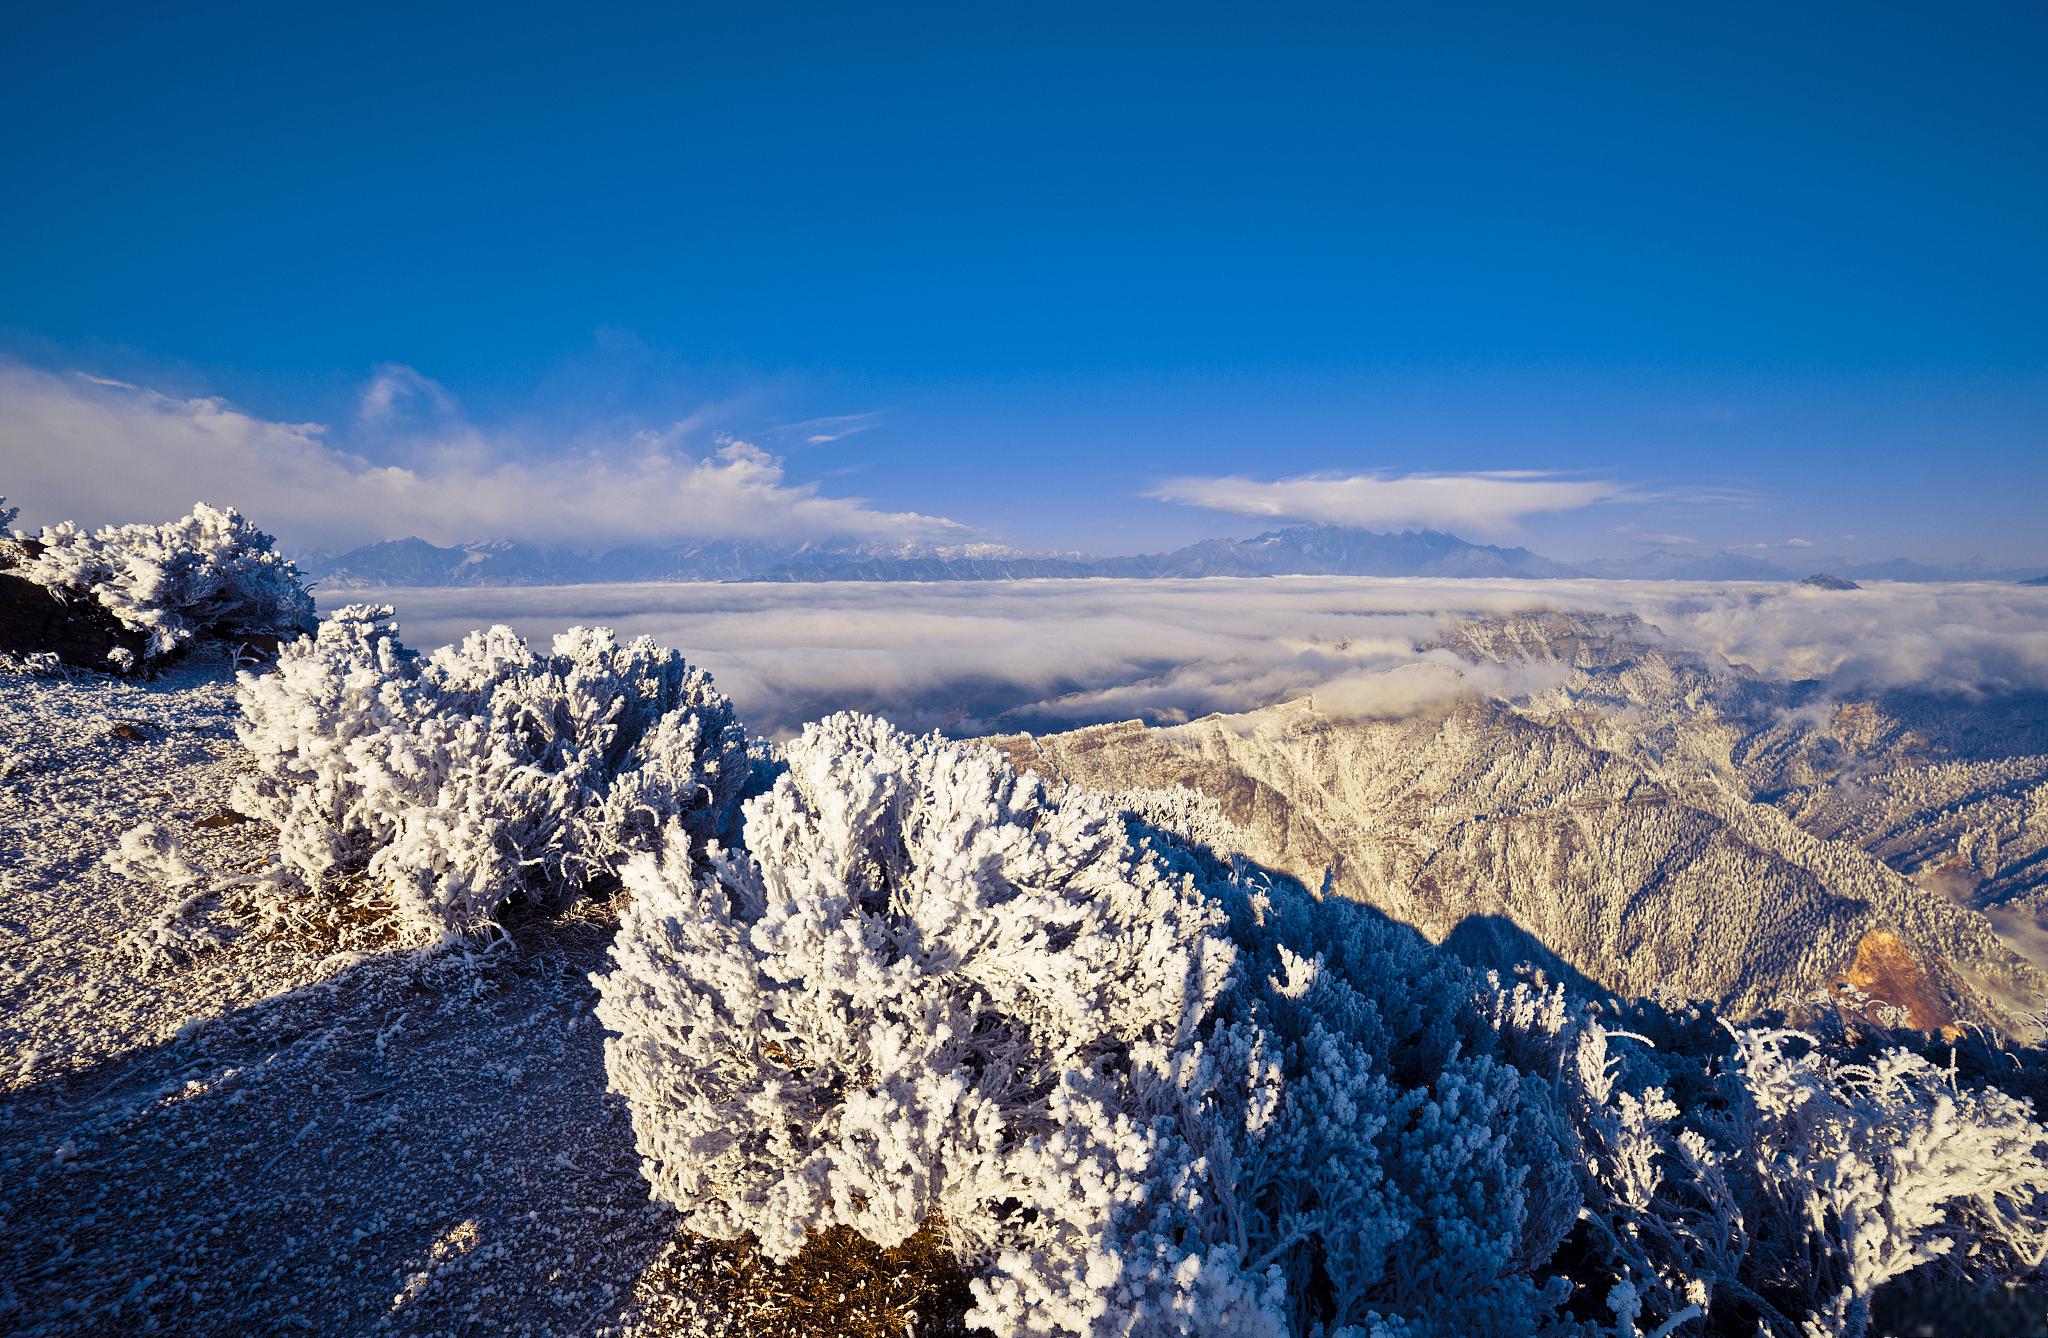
{"x": 823, "y": 431}
{"x": 85, "y": 448}
{"x": 1491, "y": 501}
{"x": 396, "y": 391}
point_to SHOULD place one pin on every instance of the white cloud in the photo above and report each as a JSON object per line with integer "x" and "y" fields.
{"x": 974, "y": 657}
{"x": 1490, "y": 502}
{"x": 1799, "y": 543}
{"x": 1429, "y": 683}
{"x": 396, "y": 390}
{"x": 93, "y": 450}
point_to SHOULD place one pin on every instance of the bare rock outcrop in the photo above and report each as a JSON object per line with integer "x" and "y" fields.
{"x": 34, "y": 619}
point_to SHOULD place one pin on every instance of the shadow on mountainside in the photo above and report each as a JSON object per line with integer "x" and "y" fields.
{"x": 1496, "y": 943}
{"x": 1990, "y": 727}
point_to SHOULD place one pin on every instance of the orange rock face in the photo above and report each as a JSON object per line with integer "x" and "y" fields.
{"x": 1885, "y": 970}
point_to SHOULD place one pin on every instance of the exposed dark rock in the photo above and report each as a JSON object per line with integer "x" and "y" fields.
{"x": 76, "y": 631}
{"x": 15, "y": 550}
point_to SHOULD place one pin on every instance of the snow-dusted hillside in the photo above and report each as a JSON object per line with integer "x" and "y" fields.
{"x": 1658, "y": 820}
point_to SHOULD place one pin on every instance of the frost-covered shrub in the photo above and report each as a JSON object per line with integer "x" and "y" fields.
{"x": 210, "y": 574}
{"x": 149, "y": 854}
{"x": 1871, "y": 1170}
{"x": 1772, "y": 1182}
{"x": 35, "y": 664}
{"x": 487, "y": 772}
{"x": 1143, "y": 1093}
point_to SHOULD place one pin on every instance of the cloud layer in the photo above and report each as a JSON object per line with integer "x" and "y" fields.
{"x": 1491, "y": 502}
{"x": 84, "y": 448}
{"x": 978, "y": 657}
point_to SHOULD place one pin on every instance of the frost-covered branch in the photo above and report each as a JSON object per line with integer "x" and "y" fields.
{"x": 210, "y": 574}
{"x": 1776, "y": 1178}
{"x": 483, "y": 774}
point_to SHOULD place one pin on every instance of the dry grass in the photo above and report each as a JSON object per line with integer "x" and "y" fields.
{"x": 354, "y": 915}
{"x": 840, "y": 1285}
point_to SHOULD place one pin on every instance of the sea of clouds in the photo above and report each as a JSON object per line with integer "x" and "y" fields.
{"x": 981, "y": 657}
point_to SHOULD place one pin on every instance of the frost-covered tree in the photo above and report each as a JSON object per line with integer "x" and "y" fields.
{"x": 1869, "y": 1170}
{"x": 1767, "y": 1180}
{"x": 485, "y": 773}
{"x": 210, "y": 574}
{"x": 1143, "y": 1093}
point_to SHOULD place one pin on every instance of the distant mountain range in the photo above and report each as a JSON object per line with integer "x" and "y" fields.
{"x": 1298, "y": 550}
{"x": 1331, "y": 550}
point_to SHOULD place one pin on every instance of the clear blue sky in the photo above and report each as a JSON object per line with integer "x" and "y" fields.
{"x": 1795, "y": 253}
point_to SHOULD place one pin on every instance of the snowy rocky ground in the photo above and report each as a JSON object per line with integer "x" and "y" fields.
{"x": 216, "y": 1119}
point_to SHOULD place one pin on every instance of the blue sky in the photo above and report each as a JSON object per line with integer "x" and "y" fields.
{"x": 1756, "y": 272}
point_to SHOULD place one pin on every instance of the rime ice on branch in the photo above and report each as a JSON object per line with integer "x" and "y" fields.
{"x": 209, "y": 574}
{"x": 1764, "y": 1180}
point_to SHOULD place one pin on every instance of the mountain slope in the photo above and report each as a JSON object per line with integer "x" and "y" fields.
{"x": 1626, "y": 821}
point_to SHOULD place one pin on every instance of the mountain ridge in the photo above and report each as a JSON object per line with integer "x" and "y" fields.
{"x": 1295, "y": 550}
{"x": 1333, "y": 550}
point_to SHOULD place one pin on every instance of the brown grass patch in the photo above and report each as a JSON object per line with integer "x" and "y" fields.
{"x": 840, "y": 1285}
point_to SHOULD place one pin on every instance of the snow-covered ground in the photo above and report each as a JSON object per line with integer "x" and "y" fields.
{"x": 259, "y": 1130}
